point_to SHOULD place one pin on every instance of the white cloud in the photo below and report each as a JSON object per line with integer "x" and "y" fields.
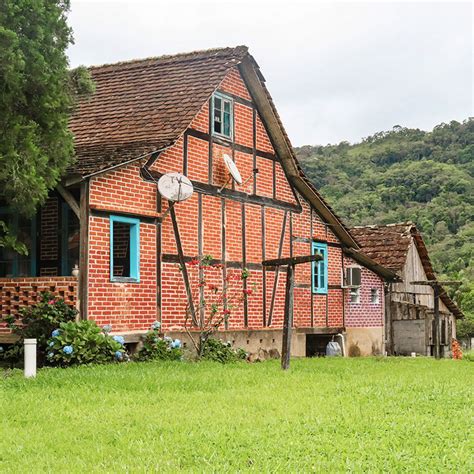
{"x": 337, "y": 71}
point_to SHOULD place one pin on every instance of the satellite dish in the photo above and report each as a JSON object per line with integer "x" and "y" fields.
{"x": 233, "y": 170}
{"x": 175, "y": 187}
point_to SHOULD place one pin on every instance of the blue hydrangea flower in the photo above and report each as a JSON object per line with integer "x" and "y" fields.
{"x": 51, "y": 344}
{"x": 50, "y": 355}
{"x": 55, "y": 333}
{"x": 1, "y": 348}
{"x": 68, "y": 350}
{"x": 118, "y": 355}
{"x": 156, "y": 325}
{"x": 119, "y": 339}
{"x": 176, "y": 344}
{"x": 107, "y": 328}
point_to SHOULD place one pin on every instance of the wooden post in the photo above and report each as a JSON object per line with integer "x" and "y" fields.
{"x": 182, "y": 263}
{"x": 288, "y": 318}
{"x": 437, "y": 288}
{"x": 83, "y": 250}
{"x": 436, "y": 322}
{"x": 290, "y": 262}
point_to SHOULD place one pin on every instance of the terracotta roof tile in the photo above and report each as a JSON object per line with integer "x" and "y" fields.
{"x": 144, "y": 105}
{"x": 388, "y": 245}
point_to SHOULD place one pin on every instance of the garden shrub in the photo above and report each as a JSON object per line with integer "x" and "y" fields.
{"x": 84, "y": 342}
{"x": 156, "y": 347}
{"x": 37, "y": 322}
{"x": 223, "y": 352}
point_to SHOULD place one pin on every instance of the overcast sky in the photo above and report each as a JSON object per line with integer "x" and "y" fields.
{"x": 337, "y": 71}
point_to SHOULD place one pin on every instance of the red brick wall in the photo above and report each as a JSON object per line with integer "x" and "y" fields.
{"x": 365, "y": 313}
{"x": 17, "y": 293}
{"x": 130, "y": 306}
{"x": 127, "y": 306}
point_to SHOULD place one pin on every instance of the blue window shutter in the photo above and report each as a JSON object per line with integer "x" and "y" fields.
{"x": 134, "y": 247}
{"x": 320, "y": 269}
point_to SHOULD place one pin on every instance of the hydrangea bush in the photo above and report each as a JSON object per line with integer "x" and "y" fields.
{"x": 37, "y": 322}
{"x": 157, "y": 347}
{"x": 84, "y": 342}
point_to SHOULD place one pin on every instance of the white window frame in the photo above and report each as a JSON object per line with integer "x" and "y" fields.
{"x": 354, "y": 295}
{"x": 344, "y": 276}
{"x": 376, "y": 292}
{"x": 223, "y": 98}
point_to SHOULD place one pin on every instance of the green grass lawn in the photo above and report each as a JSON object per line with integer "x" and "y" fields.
{"x": 323, "y": 415}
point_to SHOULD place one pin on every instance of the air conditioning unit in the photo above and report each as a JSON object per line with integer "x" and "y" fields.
{"x": 351, "y": 277}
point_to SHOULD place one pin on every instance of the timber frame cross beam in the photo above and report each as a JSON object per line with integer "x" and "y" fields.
{"x": 290, "y": 263}
{"x": 437, "y": 288}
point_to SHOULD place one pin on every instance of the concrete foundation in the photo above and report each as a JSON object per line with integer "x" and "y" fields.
{"x": 364, "y": 341}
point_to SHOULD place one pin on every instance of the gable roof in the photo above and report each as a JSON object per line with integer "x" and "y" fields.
{"x": 389, "y": 245}
{"x": 144, "y": 106}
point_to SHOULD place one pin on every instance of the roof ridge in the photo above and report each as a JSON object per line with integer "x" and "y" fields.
{"x": 393, "y": 224}
{"x": 239, "y": 50}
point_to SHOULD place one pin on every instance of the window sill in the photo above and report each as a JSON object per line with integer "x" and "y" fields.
{"x": 124, "y": 280}
{"x": 222, "y": 138}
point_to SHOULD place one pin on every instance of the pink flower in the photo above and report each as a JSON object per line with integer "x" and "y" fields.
{"x": 247, "y": 292}
{"x": 51, "y": 301}
{"x": 226, "y": 311}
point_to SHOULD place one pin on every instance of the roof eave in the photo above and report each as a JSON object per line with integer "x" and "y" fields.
{"x": 250, "y": 72}
{"x": 385, "y": 273}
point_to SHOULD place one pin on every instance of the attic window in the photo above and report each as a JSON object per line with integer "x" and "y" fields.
{"x": 222, "y": 115}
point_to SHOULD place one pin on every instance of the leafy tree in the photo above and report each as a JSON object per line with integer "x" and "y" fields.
{"x": 37, "y": 94}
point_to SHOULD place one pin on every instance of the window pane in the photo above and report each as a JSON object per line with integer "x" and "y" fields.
{"x": 316, "y": 276}
{"x": 13, "y": 264}
{"x": 217, "y": 121}
{"x": 227, "y": 106}
{"x": 121, "y": 249}
{"x": 226, "y": 130}
{"x": 217, "y": 103}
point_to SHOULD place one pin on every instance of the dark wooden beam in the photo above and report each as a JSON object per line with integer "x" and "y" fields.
{"x": 275, "y": 281}
{"x": 207, "y": 137}
{"x": 244, "y": 265}
{"x": 70, "y": 199}
{"x": 292, "y": 260}
{"x": 224, "y": 260}
{"x": 264, "y": 273}
{"x": 182, "y": 262}
{"x": 83, "y": 250}
{"x": 211, "y": 190}
{"x": 288, "y": 318}
{"x": 236, "y": 98}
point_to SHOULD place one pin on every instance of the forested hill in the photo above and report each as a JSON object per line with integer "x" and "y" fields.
{"x": 407, "y": 175}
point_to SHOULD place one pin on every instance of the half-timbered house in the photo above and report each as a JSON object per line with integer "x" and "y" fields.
{"x": 102, "y": 240}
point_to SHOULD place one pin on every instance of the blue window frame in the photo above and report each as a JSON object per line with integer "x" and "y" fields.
{"x": 124, "y": 249}
{"x": 320, "y": 269}
{"x": 12, "y": 264}
{"x": 222, "y": 116}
